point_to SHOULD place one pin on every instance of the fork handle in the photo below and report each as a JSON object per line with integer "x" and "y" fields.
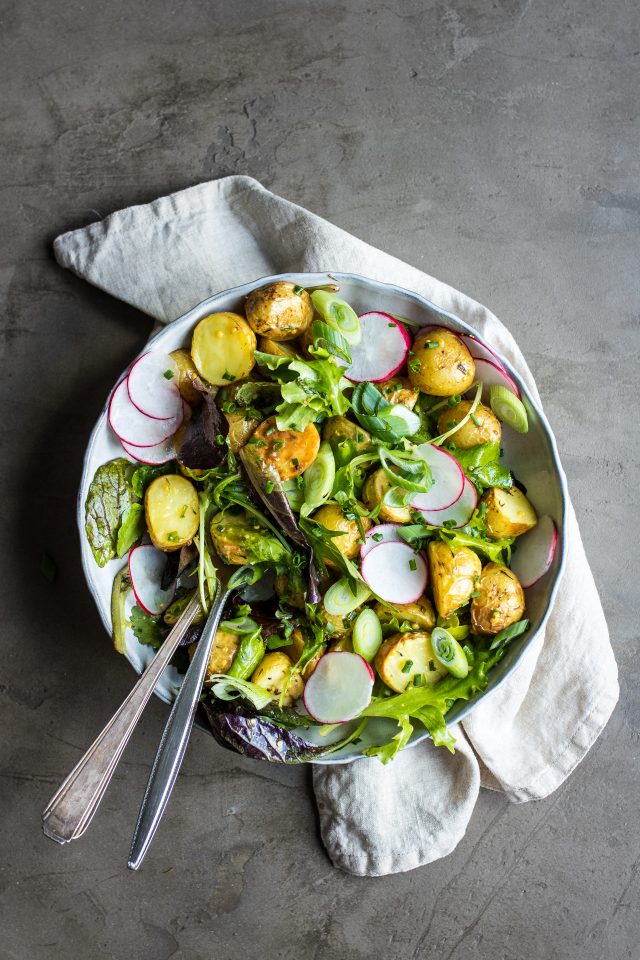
{"x": 175, "y": 738}
{"x": 74, "y": 804}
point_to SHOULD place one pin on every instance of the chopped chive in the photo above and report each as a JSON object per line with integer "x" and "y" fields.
{"x": 219, "y": 439}
{"x": 432, "y": 666}
{"x": 406, "y": 667}
{"x": 256, "y": 442}
{"x": 432, "y": 344}
{"x": 278, "y": 444}
{"x": 377, "y": 537}
{"x": 229, "y": 407}
{"x": 269, "y": 431}
{"x": 298, "y": 290}
{"x": 413, "y": 565}
{"x": 417, "y": 680}
{"x": 391, "y": 324}
{"x": 474, "y": 419}
{"x": 168, "y": 374}
{"x": 454, "y": 400}
{"x": 295, "y": 462}
{"x": 228, "y": 376}
{"x": 183, "y": 511}
{"x": 414, "y": 365}
{"x": 476, "y": 593}
{"x": 172, "y": 537}
{"x": 269, "y": 486}
{"x": 449, "y": 524}
{"x": 411, "y": 353}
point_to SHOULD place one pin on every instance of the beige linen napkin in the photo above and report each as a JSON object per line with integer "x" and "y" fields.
{"x": 166, "y": 256}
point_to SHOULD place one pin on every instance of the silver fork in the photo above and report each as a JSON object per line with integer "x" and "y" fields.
{"x": 177, "y": 731}
{"x": 74, "y": 804}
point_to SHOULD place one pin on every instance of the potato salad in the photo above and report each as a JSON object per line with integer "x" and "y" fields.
{"x": 355, "y": 462}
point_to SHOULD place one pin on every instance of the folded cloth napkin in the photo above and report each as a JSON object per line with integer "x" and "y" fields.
{"x": 166, "y": 256}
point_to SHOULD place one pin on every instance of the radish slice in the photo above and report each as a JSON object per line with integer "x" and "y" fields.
{"x": 448, "y": 479}
{"x": 339, "y": 688}
{"x": 395, "y": 572}
{"x": 152, "y": 386}
{"x": 535, "y": 552}
{"x": 157, "y": 454}
{"x": 382, "y": 350}
{"x": 480, "y": 351}
{"x": 461, "y": 511}
{"x": 134, "y": 427}
{"x": 490, "y": 374}
{"x": 145, "y": 569}
{"x": 383, "y": 533}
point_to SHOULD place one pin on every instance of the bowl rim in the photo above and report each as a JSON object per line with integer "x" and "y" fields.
{"x": 316, "y": 279}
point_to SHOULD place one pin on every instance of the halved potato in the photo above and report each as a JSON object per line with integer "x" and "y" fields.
{"x": 224, "y": 648}
{"x": 223, "y": 348}
{"x": 399, "y": 390}
{"x": 331, "y": 517}
{"x": 420, "y": 614}
{"x": 500, "y": 601}
{"x": 240, "y": 429}
{"x": 375, "y": 487}
{"x": 342, "y": 645}
{"x": 405, "y": 656}
{"x": 295, "y": 650}
{"x": 455, "y": 572}
{"x": 289, "y": 451}
{"x": 509, "y": 513}
{"x": 172, "y": 511}
{"x": 338, "y": 429}
{"x": 271, "y": 674}
{"x": 188, "y": 376}
{"x": 278, "y": 348}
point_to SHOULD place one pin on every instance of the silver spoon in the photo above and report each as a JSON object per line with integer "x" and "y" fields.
{"x": 177, "y": 731}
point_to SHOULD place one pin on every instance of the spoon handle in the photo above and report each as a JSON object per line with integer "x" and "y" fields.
{"x": 74, "y": 804}
{"x": 175, "y": 738}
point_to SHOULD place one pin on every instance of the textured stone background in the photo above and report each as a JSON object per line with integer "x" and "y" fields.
{"x": 495, "y": 144}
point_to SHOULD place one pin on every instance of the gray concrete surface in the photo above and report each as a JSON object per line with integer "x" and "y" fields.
{"x": 493, "y": 143}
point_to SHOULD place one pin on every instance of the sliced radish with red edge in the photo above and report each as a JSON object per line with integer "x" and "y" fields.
{"x": 395, "y": 572}
{"x": 137, "y": 428}
{"x": 490, "y": 374}
{"x": 152, "y": 386}
{"x": 339, "y": 688}
{"x": 383, "y": 533}
{"x": 536, "y": 549}
{"x": 146, "y": 565}
{"x": 448, "y": 479}
{"x": 157, "y": 454}
{"x": 382, "y": 350}
{"x": 460, "y": 512}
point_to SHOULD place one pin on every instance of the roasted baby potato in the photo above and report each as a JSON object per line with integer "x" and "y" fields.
{"x": 399, "y": 390}
{"x": 223, "y": 348}
{"x": 442, "y": 370}
{"x": 295, "y": 650}
{"x": 240, "y": 429}
{"x": 188, "y": 376}
{"x": 332, "y": 517}
{"x": 277, "y": 348}
{"x": 500, "y": 600}
{"x": 272, "y": 673}
{"x": 338, "y": 429}
{"x": 172, "y": 511}
{"x": 405, "y": 656}
{"x": 225, "y": 646}
{"x": 341, "y": 645}
{"x": 335, "y": 625}
{"x": 454, "y": 574}
{"x": 238, "y": 536}
{"x": 420, "y": 614}
{"x": 482, "y": 427}
{"x": 277, "y": 312}
{"x": 289, "y": 451}
{"x": 375, "y": 487}
{"x": 509, "y": 513}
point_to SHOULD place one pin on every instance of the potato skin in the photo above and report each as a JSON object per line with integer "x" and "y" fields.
{"x": 487, "y": 430}
{"x": 240, "y": 429}
{"x": 224, "y": 648}
{"x": 172, "y": 511}
{"x": 271, "y": 674}
{"x": 227, "y": 531}
{"x": 223, "y": 348}
{"x": 277, "y": 348}
{"x": 276, "y": 312}
{"x": 444, "y": 370}
{"x": 500, "y": 601}
{"x": 187, "y": 377}
{"x": 332, "y": 517}
{"x": 408, "y": 648}
{"x": 338, "y": 429}
{"x": 375, "y": 487}
{"x": 454, "y": 574}
{"x": 295, "y": 650}
{"x": 420, "y": 614}
{"x": 509, "y": 513}
{"x": 289, "y": 451}
{"x": 399, "y": 390}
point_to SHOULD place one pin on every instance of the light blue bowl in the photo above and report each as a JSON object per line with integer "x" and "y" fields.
{"x": 532, "y": 457}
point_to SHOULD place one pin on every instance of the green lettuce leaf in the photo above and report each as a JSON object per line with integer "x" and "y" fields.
{"x": 131, "y": 529}
{"x": 146, "y": 629}
{"x": 108, "y": 501}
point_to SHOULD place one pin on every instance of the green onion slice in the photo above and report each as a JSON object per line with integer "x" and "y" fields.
{"x": 410, "y": 472}
{"x": 319, "y": 477}
{"x": 340, "y": 599}
{"x": 367, "y": 634}
{"x": 449, "y": 653}
{"x": 508, "y": 408}
{"x": 338, "y": 314}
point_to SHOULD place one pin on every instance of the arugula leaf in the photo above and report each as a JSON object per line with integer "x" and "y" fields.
{"x": 131, "y": 529}
{"x": 109, "y": 498}
{"x": 147, "y": 629}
